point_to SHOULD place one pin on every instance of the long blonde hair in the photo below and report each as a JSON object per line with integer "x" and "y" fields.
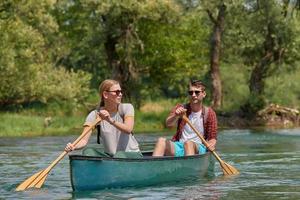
{"x": 105, "y": 86}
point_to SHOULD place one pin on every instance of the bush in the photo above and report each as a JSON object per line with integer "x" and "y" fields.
{"x": 235, "y": 86}
{"x": 284, "y": 89}
{"x": 27, "y": 68}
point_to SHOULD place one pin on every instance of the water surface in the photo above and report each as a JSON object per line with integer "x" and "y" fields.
{"x": 269, "y": 162}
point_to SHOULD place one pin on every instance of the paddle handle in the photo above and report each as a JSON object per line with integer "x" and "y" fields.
{"x": 201, "y": 137}
{"x": 62, "y": 155}
{"x": 98, "y": 120}
{"x": 39, "y": 178}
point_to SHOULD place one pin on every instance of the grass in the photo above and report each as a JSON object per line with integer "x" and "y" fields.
{"x": 64, "y": 119}
{"x": 15, "y": 124}
{"x": 152, "y": 115}
{"x": 31, "y": 122}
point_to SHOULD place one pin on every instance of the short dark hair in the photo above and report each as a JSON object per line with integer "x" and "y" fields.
{"x": 197, "y": 83}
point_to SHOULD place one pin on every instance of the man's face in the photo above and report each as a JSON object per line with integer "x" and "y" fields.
{"x": 196, "y": 94}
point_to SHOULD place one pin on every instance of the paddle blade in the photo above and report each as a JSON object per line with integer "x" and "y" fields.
{"x": 228, "y": 169}
{"x": 35, "y": 180}
{"x": 40, "y": 182}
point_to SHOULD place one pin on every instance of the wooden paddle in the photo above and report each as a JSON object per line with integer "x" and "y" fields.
{"x": 226, "y": 168}
{"x": 38, "y": 179}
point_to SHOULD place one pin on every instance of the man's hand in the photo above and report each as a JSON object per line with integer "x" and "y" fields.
{"x": 212, "y": 144}
{"x": 180, "y": 111}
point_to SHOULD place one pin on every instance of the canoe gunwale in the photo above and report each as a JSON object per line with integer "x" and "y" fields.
{"x": 143, "y": 159}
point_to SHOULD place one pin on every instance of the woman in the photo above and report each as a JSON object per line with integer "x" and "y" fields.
{"x": 116, "y": 125}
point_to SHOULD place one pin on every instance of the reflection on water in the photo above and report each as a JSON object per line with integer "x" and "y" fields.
{"x": 269, "y": 162}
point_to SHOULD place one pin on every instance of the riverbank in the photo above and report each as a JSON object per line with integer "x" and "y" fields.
{"x": 20, "y": 125}
{"x": 150, "y": 118}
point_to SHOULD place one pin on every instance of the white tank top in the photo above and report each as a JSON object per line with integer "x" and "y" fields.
{"x": 188, "y": 134}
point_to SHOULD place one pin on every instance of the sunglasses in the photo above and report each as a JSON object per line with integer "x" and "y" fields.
{"x": 118, "y": 92}
{"x": 197, "y": 92}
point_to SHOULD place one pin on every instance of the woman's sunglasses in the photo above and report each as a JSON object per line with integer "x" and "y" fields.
{"x": 118, "y": 92}
{"x": 197, "y": 92}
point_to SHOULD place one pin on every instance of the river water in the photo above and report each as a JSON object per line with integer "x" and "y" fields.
{"x": 269, "y": 162}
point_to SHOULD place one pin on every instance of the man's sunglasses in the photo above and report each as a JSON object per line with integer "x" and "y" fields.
{"x": 118, "y": 92}
{"x": 197, "y": 92}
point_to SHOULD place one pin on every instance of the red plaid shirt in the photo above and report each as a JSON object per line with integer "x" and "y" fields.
{"x": 210, "y": 125}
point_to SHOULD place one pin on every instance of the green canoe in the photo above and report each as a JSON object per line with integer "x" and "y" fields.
{"x": 92, "y": 173}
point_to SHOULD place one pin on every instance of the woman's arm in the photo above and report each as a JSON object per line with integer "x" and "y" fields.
{"x": 125, "y": 127}
{"x": 82, "y": 143}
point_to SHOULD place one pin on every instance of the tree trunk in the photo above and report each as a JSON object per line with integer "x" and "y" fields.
{"x": 122, "y": 66}
{"x": 261, "y": 71}
{"x": 263, "y": 68}
{"x": 215, "y": 56}
{"x": 257, "y": 79}
{"x": 116, "y": 65}
{"x": 112, "y": 57}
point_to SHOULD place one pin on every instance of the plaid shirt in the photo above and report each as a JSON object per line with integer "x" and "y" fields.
{"x": 210, "y": 124}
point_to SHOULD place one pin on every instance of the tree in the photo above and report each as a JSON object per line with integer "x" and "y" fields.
{"x": 175, "y": 51}
{"x": 267, "y": 40}
{"x": 216, "y": 11}
{"x": 28, "y": 49}
{"x": 113, "y": 25}
{"x": 216, "y": 39}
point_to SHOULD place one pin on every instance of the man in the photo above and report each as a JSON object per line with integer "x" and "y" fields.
{"x": 186, "y": 141}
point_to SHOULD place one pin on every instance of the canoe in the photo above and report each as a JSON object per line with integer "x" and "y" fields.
{"x": 94, "y": 173}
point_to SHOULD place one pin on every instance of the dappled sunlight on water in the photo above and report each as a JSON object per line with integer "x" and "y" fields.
{"x": 268, "y": 161}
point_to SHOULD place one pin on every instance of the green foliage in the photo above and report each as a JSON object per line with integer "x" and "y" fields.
{"x": 32, "y": 121}
{"x": 266, "y": 40}
{"x": 80, "y": 26}
{"x": 253, "y": 104}
{"x": 235, "y": 86}
{"x": 149, "y": 122}
{"x": 284, "y": 89}
{"x": 91, "y": 26}
{"x": 174, "y": 53}
{"x": 53, "y": 53}
{"x": 33, "y": 125}
{"x": 27, "y": 69}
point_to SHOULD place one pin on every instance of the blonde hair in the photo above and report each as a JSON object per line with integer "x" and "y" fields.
{"x": 105, "y": 86}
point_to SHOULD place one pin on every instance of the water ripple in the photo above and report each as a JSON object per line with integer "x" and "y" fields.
{"x": 268, "y": 161}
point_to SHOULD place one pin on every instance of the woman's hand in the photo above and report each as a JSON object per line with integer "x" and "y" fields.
{"x": 104, "y": 114}
{"x": 70, "y": 147}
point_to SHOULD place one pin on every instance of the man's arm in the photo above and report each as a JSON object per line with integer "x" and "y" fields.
{"x": 174, "y": 115}
{"x": 211, "y": 130}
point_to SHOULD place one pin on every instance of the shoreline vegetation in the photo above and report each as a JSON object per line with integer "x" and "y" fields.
{"x": 53, "y": 55}
{"x": 148, "y": 119}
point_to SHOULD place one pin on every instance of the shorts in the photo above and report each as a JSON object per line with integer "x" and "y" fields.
{"x": 179, "y": 149}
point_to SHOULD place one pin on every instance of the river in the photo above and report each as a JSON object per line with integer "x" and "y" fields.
{"x": 269, "y": 162}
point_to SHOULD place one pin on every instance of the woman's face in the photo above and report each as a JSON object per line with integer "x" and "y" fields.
{"x": 114, "y": 94}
